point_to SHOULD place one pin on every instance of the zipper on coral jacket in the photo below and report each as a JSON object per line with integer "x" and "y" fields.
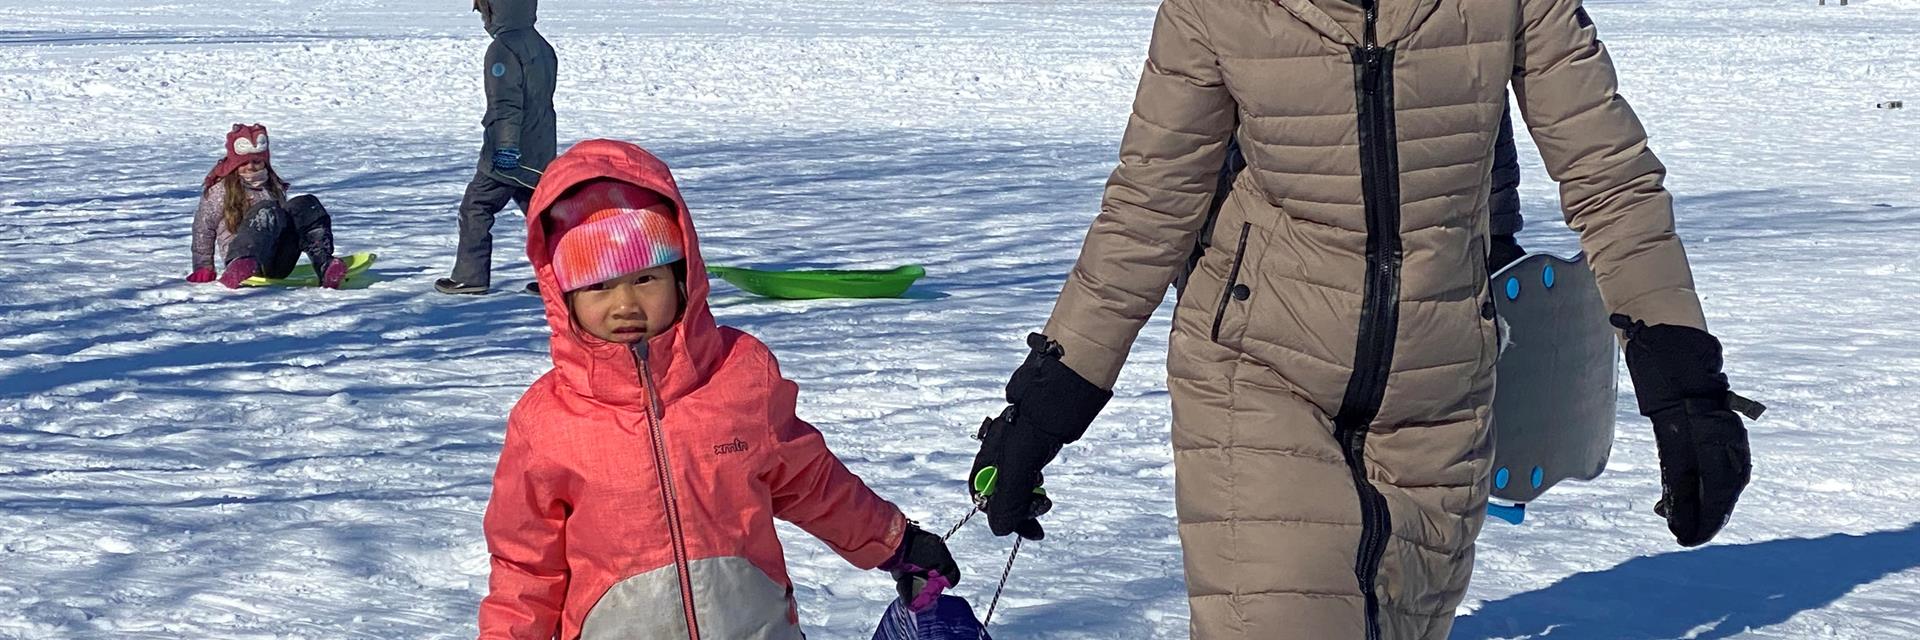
{"x": 657, "y": 434}
{"x": 1379, "y": 314}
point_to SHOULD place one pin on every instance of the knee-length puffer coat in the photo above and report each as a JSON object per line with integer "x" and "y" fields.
{"x": 1331, "y": 364}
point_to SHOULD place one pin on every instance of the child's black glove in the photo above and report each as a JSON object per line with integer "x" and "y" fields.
{"x": 921, "y": 568}
{"x": 1502, "y": 250}
{"x": 1050, "y": 406}
{"x": 1704, "y": 459}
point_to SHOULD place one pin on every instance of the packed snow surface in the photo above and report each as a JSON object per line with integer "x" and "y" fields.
{"x": 185, "y": 461}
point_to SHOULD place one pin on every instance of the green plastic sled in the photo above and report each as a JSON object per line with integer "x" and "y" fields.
{"x": 305, "y": 277}
{"x": 810, "y": 284}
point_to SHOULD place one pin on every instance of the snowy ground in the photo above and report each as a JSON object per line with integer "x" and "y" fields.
{"x": 184, "y": 461}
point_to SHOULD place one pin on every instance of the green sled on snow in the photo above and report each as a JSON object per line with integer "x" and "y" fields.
{"x": 812, "y": 284}
{"x": 305, "y": 277}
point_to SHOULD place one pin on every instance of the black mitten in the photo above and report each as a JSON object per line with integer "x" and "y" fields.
{"x": 1502, "y": 250}
{"x": 1704, "y": 458}
{"x": 1049, "y": 406}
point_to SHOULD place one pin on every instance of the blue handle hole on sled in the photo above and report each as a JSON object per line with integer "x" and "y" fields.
{"x": 1501, "y": 477}
{"x": 1513, "y": 288}
{"x": 1539, "y": 477}
{"x": 1547, "y": 277}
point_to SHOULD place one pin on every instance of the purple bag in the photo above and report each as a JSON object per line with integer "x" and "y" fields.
{"x": 949, "y": 618}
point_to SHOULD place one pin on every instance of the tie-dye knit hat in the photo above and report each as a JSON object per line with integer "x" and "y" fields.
{"x": 606, "y": 230}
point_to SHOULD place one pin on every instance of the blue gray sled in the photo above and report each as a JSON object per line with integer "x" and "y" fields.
{"x": 1556, "y": 380}
{"x": 950, "y": 618}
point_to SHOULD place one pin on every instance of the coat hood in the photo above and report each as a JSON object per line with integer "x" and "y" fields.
{"x": 512, "y": 14}
{"x": 682, "y": 358}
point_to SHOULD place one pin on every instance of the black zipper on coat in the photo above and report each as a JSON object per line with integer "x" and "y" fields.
{"x": 668, "y": 496}
{"x": 1380, "y": 306}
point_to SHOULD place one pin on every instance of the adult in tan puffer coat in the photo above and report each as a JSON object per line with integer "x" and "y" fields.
{"x": 1331, "y": 363}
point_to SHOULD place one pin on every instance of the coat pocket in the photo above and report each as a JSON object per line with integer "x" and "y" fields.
{"x": 1233, "y": 290}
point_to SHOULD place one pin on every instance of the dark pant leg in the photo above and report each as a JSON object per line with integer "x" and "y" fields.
{"x": 265, "y": 234}
{"x": 284, "y": 256}
{"x": 486, "y": 196}
{"x": 314, "y": 230}
{"x": 523, "y": 198}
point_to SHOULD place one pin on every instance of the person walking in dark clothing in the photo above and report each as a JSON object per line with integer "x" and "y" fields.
{"x": 520, "y": 139}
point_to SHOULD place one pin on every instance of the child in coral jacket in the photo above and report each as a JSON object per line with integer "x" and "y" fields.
{"x": 637, "y": 488}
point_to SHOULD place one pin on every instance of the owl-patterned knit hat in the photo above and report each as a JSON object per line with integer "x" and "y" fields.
{"x": 245, "y": 143}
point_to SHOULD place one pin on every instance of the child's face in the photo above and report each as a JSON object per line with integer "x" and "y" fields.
{"x": 630, "y": 308}
{"x": 254, "y": 174}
